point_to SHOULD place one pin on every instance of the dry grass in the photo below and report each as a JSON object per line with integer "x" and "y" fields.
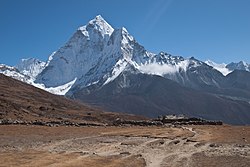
{"x": 124, "y": 146}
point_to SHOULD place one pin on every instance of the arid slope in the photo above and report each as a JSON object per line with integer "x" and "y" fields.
{"x": 20, "y": 101}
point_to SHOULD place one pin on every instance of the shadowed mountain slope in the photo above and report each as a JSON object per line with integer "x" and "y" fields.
{"x": 151, "y": 96}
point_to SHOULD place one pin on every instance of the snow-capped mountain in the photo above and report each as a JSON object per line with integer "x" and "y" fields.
{"x": 225, "y": 69}
{"x": 100, "y": 64}
{"x": 14, "y": 73}
{"x": 95, "y": 52}
{"x": 188, "y": 72}
{"x": 81, "y": 53}
{"x": 31, "y": 67}
{"x": 220, "y": 67}
{"x": 27, "y": 70}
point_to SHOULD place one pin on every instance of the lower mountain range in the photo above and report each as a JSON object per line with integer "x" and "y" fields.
{"x": 108, "y": 68}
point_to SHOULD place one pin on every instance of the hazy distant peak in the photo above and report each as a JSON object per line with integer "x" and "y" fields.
{"x": 31, "y": 67}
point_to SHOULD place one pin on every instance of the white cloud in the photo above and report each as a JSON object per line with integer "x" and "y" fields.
{"x": 158, "y": 69}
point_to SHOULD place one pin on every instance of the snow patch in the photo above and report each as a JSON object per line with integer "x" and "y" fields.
{"x": 59, "y": 90}
{"x": 92, "y": 83}
{"x": 3, "y": 66}
{"x": 50, "y": 58}
{"x": 118, "y": 68}
{"x": 17, "y": 76}
{"x": 14, "y": 73}
{"x": 219, "y": 67}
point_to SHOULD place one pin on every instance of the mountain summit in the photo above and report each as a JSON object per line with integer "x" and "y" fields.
{"x": 97, "y": 24}
{"x": 95, "y": 52}
{"x": 108, "y": 68}
{"x": 98, "y": 53}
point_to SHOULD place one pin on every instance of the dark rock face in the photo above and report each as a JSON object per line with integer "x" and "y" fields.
{"x": 238, "y": 79}
{"x": 238, "y": 66}
{"x": 198, "y": 91}
{"x": 151, "y": 96}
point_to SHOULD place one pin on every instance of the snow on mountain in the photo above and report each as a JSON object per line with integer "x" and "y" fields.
{"x": 29, "y": 75}
{"x": 107, "y": 66}
{"x": 118, "y": 68}
{"x": 80, "y": 54}
{"x": 31, "y": 67}
{"x": 83, "y": 52}
{"x": 164, "y": 63}
{"x": 122, "y": 49}
{"x": 220, "y": 67}
{"x": 97, "y": 25}
{"x": 97, "y": 54}
{"x": 239, "y": 66}
{"x": 228, "y": 68}
{"x": 59, "y": 90}
{"x": 14, "y": 73}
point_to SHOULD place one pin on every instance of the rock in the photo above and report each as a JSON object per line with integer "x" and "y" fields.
{"x": 161, "y": 142}
{"x": 199, "y": 144}
{"x": 42, "y": 108}
{"x": 62, "y": 152}
{"x": 240, "y": 145}
{"x": 214, "y": 145}
{"x": 190, "y": 140}
{"x": 84, "y": 153}
{"x": 131, "y": 143}
{"x": 125, "y": 153}
{"x": 174, "y": 142}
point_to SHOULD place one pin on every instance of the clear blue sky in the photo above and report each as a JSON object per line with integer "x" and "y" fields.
{"x": 206, "y": 29}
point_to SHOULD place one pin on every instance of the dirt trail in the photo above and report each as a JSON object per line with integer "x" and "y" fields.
{"x": 121, "y": 146}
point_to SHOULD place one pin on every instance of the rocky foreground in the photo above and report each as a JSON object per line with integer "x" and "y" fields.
{"x": 153, "y": 146}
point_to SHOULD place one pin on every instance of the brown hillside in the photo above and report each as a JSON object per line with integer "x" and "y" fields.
{"x": 20, "y": 101}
